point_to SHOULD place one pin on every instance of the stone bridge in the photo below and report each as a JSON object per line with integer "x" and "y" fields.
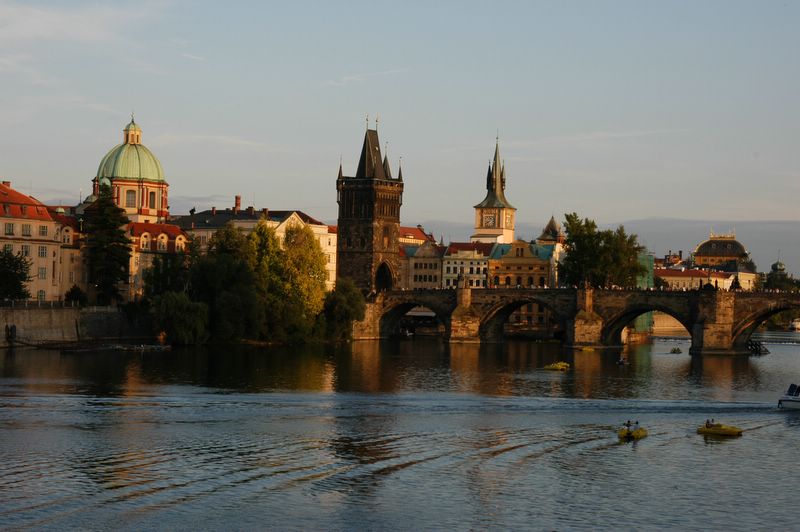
{"x": 719, "y": 322}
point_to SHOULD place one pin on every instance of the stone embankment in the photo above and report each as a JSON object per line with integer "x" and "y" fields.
{"x": 41, "y": 326}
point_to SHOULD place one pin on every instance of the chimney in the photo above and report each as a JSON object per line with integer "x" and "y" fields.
{"x": 265, "y": 212}
{"x": 680, "y": 254}
{"x": 237, "y": 204}
{"x": 213, "y": 211}
{"x": 251, "y": 211}
{"x": 7, "y": 184}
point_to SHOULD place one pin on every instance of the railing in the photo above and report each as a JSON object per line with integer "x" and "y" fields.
{"x": 35, "y": 304}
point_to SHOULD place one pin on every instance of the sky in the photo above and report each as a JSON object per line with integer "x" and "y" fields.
{"x": 615, "y": 110}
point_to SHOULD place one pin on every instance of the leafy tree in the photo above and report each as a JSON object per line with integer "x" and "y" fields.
{"x": 14, "y": 275}
{"x": 76, "y": 295}
{"x": 304, "y": 274}
{"x": 267, "y": 262}
{"x": 343, "y": 305}
{"x": 223, "y": 280}
{"x": 167, "y": 273}
{"x": 599, "y": 258}
{"x": 108, "y": 247}
{"x": 184, "y": 321}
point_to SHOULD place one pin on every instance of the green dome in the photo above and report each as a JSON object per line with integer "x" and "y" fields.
{"x": 130, "y": 161}
{"x": 132, "y": 126}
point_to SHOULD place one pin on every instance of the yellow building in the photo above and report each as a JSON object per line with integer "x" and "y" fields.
{"x": 29, "y": 230}
{"x": 720, "y": 250}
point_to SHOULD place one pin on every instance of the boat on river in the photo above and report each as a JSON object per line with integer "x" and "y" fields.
{"x": 557, "y": 366}
{"x": 718, "y": 429}
{"x": 791, "y": 399}
{"x": 630, "y": 434}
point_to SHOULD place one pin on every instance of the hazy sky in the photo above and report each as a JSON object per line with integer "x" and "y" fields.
{"x": 616, "y": 110}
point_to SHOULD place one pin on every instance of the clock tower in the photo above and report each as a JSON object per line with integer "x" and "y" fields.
{"x": 494, "y": 216}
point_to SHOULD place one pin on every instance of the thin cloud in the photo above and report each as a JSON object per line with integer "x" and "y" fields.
{"x": 219, "y": 140}
{"x": 193, "y": 57}
{"x": 357, "y": 78}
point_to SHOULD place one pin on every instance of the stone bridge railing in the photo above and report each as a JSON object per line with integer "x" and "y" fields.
{"x": 719, "y": 322}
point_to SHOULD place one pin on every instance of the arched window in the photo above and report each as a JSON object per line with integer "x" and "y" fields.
{"x": 541, "y": 282}
{"x": 530, "y": 281}
{"x": 144, "y": 241}
{"x": 180, "y": 245}
{"x": 508, "y": 281}
{"x": 162, "y": 242}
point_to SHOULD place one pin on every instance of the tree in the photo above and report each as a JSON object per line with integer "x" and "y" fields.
{"x": 184, "y": 321}
{"x": 76, "y": 295}
{"x": 167, "y": 273}
{"x": 343, "y": 305}
{"x": 266, "y": 259}
{"x": 108, "y": 247}
{"x": 14, "y": 275}
{"x": 223, "y": 280}
{"x": 599, "y": 258}
{"x": 304, "y": 274}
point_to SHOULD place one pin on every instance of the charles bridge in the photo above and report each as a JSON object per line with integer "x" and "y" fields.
{"x": 719, "y": 322}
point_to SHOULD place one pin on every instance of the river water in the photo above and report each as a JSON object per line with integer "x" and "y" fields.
{"x": 407, "y": 435}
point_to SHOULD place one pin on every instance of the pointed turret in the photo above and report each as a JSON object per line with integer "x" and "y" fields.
{"x": 340, "y": 169}
{"x": 400, "y": 170}
{"x": 386, "y": 170}
{"x": 495, "y": 184}
{"x": 369, "y": 165}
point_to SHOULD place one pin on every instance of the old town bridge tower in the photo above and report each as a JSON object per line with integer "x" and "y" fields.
{"x": 368, "y": 240}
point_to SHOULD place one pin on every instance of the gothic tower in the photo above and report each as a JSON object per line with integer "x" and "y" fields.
{"x": 368, "y": 240}
{"x": 494, "y": 216}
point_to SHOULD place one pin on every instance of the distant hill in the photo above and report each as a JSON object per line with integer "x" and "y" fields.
{"x": 763, "y": 239}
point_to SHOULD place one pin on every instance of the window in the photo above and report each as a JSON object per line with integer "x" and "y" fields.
{"x": 26, "y": 229}
{"x": 144, "y": 242}
{"x": 67, "y": 237}
{"x": 130, "y": 198}
{"x": 40, "y": 295}
{"x": 42, "y": 272}
{"x": 9, "y": 248}
{"x": 72, "y": 277}
{"x": 162, "y": 243}
{"x": 6, "y": 209}
{"x": 152, "y": 200}
{"x": 26, "y": 250}
{"x": 42, "y": 230}
{"x": 42, "y": 251}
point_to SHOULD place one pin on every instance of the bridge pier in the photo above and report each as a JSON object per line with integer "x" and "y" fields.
{"x": 370, "y": 327}
{"x": 712, "y": 333}
{"x": 465, "y": 323}
{"x": 586, "y": 328}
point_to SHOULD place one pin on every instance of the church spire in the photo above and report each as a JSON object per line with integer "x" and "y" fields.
{"x": 496, "y": 182}
{"x": 400, "y": 170}
{"x": 370, "y": 165}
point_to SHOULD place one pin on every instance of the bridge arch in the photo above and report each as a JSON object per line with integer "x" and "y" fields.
{"x": 492, "y": 326}
{"x": 745, "y": 328}
{"x": 611, "y": 333}
{"x": 393, "y": 313}
{"x": 384, "y": 278}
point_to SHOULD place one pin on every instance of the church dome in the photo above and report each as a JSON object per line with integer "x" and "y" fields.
{"x": 131, "y": 159}
{"x": 779, "y": 267}
{"x": 721, "y": 246}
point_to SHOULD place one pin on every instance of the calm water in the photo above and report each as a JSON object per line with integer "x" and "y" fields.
{"x": 412, "y": 435}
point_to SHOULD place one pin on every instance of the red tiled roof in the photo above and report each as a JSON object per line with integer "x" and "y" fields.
{"x": 333, "y": 229}
{"x": 139, "y": 228}
{"x": 13, "y": 203}
{"x": 69, "y": 221}
{"x": 485, "y": 248}
{"x": 665, "y": 272}
{"x": 416, "y": 233}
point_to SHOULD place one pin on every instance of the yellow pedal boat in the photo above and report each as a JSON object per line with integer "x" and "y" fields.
{"x": 557, "y": 366}
{"x": 718, "y": 429}
{"x": 627, "y": 434}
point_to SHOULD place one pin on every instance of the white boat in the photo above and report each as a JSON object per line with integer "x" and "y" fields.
{"x": 791, "y": 399}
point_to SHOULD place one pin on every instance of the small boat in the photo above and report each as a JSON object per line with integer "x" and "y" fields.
{"x": 718, "y": 429}
{"x": 632, "y": 434}
{"x": 676, "y": 351}
{"x": 557, "y": 366}
{"x": 791, "y": 399}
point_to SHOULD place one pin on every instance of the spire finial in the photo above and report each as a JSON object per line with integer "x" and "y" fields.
{"x": 367, "y": 118}
{"x": 132, "y": 120}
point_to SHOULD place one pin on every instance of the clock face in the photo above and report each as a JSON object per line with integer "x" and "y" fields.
{"x": 489, "y": 220}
